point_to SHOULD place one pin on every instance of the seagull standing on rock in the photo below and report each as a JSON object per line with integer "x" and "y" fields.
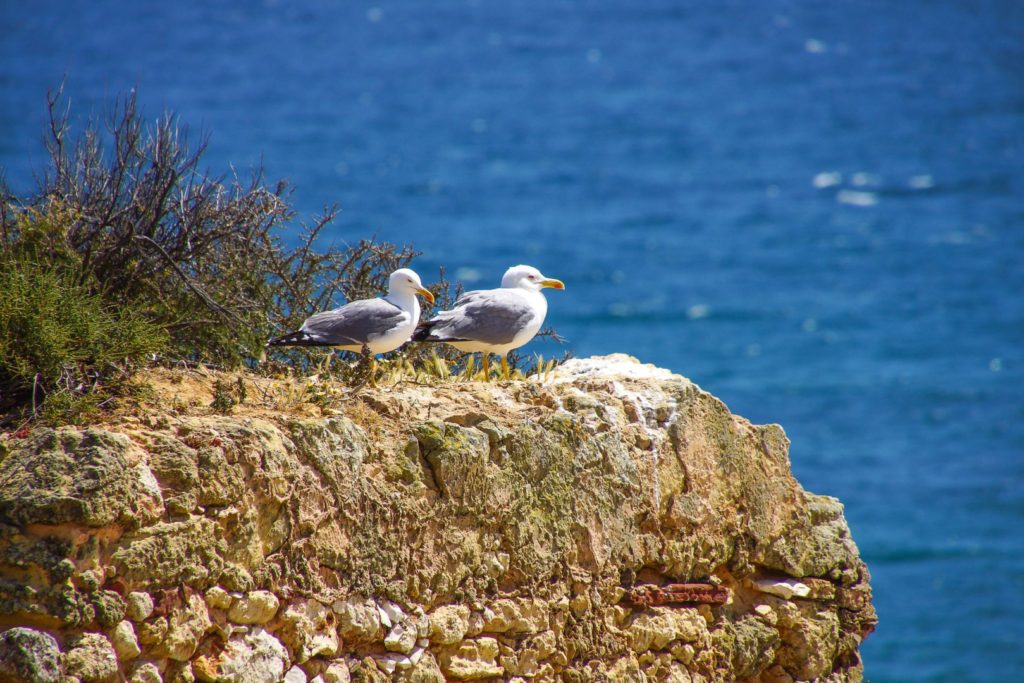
{"x": 380, "y": 325}
{"x": 494, "y": 320}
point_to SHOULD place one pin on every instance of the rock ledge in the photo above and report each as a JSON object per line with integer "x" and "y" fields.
{"x": 528, "y": 531}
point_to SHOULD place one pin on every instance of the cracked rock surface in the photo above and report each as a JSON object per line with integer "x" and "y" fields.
{"x": 466, "y": 531}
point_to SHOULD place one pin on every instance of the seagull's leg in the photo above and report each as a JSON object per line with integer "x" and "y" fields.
{"x": 371, "y": 362}
{"x": 504, "y": 366}
{"x": 487, "y": 366}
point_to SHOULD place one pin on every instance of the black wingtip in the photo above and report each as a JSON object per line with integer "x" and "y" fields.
{"x": 422, "y": 332}
{"x": 294, "y": 339}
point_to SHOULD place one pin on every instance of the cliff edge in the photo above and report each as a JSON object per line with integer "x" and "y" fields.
{"x": 612, "y": 522}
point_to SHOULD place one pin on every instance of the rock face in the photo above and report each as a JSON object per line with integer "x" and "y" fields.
{"x": 466, "y": 531}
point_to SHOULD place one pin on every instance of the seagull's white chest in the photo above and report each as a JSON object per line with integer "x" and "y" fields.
{"x": 539, "y": 304}
{"x": 400, "y": 333}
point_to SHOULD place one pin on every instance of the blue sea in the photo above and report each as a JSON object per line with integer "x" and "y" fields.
{"x": 813, "y": 209}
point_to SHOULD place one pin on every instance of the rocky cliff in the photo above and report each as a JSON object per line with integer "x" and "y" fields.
{"x": 613, "y": 522}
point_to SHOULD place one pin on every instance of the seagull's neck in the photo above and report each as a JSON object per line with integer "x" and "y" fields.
{"x": 535, "y": 297}
{"x": 407, "y": 301}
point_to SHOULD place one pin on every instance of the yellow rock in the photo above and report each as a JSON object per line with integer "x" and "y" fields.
{"x": 472, "y": 659}
{"x": 448, "y": 624}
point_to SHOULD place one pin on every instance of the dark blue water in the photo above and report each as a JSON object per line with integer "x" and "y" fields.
{"x": 813, "y": 209}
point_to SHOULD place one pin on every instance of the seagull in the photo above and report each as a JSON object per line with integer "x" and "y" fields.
{"x": 494, "y": 320}
{"x": 380, "y": 325}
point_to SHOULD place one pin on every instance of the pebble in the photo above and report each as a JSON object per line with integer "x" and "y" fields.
{"x": 784, "y": 588}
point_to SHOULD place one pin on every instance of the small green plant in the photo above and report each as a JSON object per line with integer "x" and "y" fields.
{"x": 223, "y": 400}
{"x": 59, "y": 339}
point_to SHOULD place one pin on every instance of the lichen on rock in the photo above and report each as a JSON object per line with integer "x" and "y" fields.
{"x": 463, "y": 531}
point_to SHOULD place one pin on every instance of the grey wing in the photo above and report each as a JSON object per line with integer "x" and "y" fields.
{"x": 354, "y": 323}
{"x": 490, "y": 316}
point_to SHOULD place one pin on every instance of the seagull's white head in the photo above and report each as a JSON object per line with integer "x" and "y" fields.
{"x": 406, "y": 281}
{"x": 529, "y": 278}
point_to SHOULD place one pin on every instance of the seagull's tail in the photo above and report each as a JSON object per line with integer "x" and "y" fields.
{"x": 299, "y": 338}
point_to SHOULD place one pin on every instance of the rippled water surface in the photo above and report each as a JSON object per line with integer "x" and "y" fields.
{"x": 815, "y": 210}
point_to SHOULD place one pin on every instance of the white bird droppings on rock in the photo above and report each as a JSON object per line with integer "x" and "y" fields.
{"x": 616, "y": 364}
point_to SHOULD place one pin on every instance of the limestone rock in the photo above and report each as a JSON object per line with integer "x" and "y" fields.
{"x": 218, "y": 598}
{"x": 521, "y": 615}
{"x": 656, "y": 628}
{"x": 91, "y": 657}
{"x": 784, "y": 588}
{"x": 185, "y": 627}
{"x": 138, "y": 606}
{"x": 748, "y": 645}
{"x": 337, "y": 672}
{"x": 390, "y": 613}
{"x": 257, "y": 607}
{"x": 29, "y": 655}
{"x": 358, "y": 619}
{"x": 256, "y": 657}
{"x": 426, "y": 670}
{"x": 172, "y": 553}
{"x": 401, "y": 638}
{"x": 448, "y": 624}
{"x": 626, "y": 670}
{"x": 124, "y": 641}
{"x": 810, "y": 643}
{"x": 83, "y": 477}
{"x": 295, "y": 675}
{"x": 523, "y": 513}
{"x": 392, "y": 661}
{"x": 529, "y": 661}
{"x": 145, "y": 672}
{"x": 472, "y": 659}
{"x": 152, "y": 632}
{"x": 309, "y": 630}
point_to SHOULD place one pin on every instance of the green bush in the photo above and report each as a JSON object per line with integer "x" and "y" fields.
{"x": 59, "y": 339}
{"x": 127, "y": 248}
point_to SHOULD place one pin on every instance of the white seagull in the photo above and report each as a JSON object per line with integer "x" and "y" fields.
{"x": 494, "y": 320}
{"x": 381, "y": 325}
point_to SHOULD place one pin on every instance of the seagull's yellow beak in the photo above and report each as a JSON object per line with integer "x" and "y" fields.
{"x": 425, "y": 293}
{"x": 552, "y": 283}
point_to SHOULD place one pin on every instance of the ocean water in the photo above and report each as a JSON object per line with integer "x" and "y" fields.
{"x": 815, "y": 210}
